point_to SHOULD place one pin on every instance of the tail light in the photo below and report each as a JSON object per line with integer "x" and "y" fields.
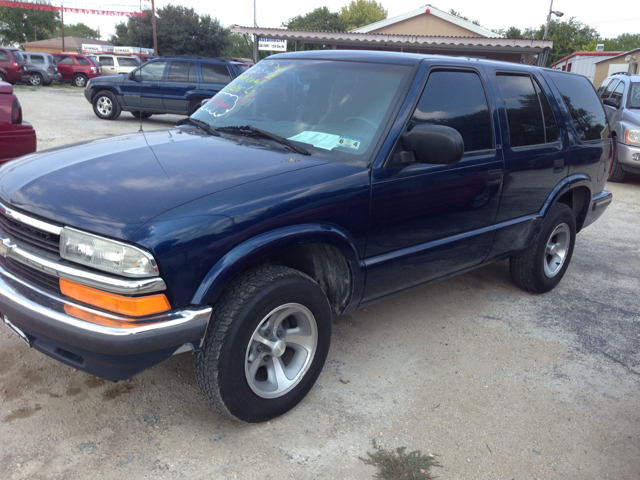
{"x": 16, "y": 67}
{"x": 49, "y": 69}
{"x": 16, "y": 112}
{"x": 94, "y": 70}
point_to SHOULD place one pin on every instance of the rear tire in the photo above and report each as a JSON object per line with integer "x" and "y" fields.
{"x": 616, "y": 174}
{"x": 194, "y": 105}
{"x": 36, "y": 80}
{"x": 105, "y": 106}
{"x": 266, "y": 344}
{"x": 139, "y": 114}
{"x": 541, "y": 266}
{"x": 79, "y": 80}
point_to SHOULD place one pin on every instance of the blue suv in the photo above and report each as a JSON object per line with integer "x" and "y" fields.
{"x": 163, "y": 85}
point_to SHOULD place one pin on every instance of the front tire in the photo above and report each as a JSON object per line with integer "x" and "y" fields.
{"x": 105, "y": 106}
{"x": 80, "y": 80}
{"x": 541, "y": 266}
{"x": 266, "y": 345}
{"x": 616, "y": 174}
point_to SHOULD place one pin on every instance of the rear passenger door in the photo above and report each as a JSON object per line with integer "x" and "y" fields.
{"x": 180, "y": 86}
{"x": 66, "y": 66}
{"x": 430, "y": 220}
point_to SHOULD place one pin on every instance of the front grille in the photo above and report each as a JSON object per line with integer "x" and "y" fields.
{"x": 31, "y": 275}
{"x": 26, "y": 236}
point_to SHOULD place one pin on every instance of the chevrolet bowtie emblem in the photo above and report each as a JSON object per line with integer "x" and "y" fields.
{"x": 6, "y": 246}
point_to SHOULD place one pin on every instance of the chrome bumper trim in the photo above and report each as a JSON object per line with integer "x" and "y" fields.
{"x": 55, "y": 306}
{"x": 79, "y": 275}
{"x": 32, "y": 222}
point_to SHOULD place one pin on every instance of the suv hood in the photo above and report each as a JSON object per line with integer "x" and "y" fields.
{"x": 113, "y": 186}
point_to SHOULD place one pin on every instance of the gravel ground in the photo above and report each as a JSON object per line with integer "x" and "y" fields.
{"x": 498, "y": 383}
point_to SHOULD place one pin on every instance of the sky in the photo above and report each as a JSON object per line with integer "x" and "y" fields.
{"x": 609, "y": 22}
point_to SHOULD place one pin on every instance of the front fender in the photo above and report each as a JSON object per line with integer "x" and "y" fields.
{"x": 274, "y": 241}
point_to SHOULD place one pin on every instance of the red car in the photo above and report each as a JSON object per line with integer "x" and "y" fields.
{"x": 16, "y": 138}
{"x": 77, "y": 68}
{"x": 12, "y": 66}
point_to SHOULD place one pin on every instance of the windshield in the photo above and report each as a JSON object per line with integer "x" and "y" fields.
{"x": 336, "y": 109}
{"x": 634, "y": 95}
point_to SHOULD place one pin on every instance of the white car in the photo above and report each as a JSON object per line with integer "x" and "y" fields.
{"x": 115, "y": 64}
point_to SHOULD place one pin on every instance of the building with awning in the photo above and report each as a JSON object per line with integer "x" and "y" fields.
{"x": 424, "y": 30}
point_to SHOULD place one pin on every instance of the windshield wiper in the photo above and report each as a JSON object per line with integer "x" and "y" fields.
{"x": 200, "y": 124}
{"x": 252, "y": 131}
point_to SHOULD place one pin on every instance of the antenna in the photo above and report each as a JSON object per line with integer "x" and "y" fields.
{"x": 139, "y": 51}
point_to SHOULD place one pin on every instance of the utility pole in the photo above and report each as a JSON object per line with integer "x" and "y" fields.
{"x": 255, "y": 37}
{"x": 153, "y": 25}
{"x": 62, "y": 24}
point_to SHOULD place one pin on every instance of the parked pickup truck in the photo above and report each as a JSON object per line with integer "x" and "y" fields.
{"x": 314, "y": 183}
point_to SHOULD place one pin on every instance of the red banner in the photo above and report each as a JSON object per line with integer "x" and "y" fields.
{"x": 51, "y": 8}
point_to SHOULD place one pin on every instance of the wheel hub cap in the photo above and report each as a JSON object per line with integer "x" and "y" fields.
{"x": 557, "y": 250}
{"x": 278, "y": 348}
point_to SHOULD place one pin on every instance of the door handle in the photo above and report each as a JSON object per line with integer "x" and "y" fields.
{"x": 494, "y": 177}
{"x": 155, "y": 85}
{"x": 558, "y": 166}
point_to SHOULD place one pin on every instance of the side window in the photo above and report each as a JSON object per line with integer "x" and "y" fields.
{"x": 105, "y": 61}
{"x": 609, "y": 88}
{"x": 37, "y": 58}
{"x": 151, "y": 71}
{"x": 4, "y": 55}
{"x": 83, "y": 61}
{"x": 524, "y": 110}
{"x": 457, "y": 99}
{"x": 550, "y": 126}
{"x": 602, "y": 86}
{"x": 63, "y": 60}
{"x": 585, "y": 108}
{"x": 618, "y": 92}
{"x": 127, "y": 62}
{"x": 214, "y": 73}
{"x": 181, "y": 72}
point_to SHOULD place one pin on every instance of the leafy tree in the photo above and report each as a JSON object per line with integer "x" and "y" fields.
{"x": 513, "y": 32}
{"x": 623, "y": 43}
{"x": 319, "y": 19}
{"x": 568, "y": 37}
{"x": 362, "y": 12}
{"x": 19, "y": 25}
{"x": 78, "y": 30}
{"x": 459, "y": 15}
{"x": 237, "y": 47}
{"x": 180, "y": 31}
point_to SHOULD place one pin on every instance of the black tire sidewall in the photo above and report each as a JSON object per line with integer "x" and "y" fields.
{"x": 559, "y": 214}
{"x": 114, "y": 102}
{"x": 238, "y": 397}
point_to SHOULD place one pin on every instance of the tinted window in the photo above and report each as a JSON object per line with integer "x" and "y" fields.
{"x": 524, "y": 114}
{"x": 618, "y": 92}
{"x": 214, "y": 73}
{"x": 4, "y": 55}
{"x": 127, "y": 62}
{"x": 550, "y": 126}
{"x": 37, "y": 58}
{"x": 603, "y": 85}
{"x": 63, "y": 60}
{"x": 457, "y": 100}
{"x": 180, "y": 72}
{"x": 609, "y": 88}
{"x": 83, "y": 61}
{"x": 105, "y": 61}
{"x": 587, "y": 113}
{"x": 18, "y": 56}
{"x": 634, "y": 95}
{"x": 151, "y": 71}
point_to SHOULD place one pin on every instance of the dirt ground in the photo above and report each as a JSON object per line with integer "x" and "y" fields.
{"x": 498, "y": 383}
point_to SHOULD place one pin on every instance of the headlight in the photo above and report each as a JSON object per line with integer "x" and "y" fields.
{"x": 632, "y": 136}
{"x": 88, "y": 83}
{"x": 107, "y": 255}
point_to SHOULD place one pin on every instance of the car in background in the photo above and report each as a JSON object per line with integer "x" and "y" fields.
{"x": 620, "y": 94}
{"x": 16, "y": 137}
{"x": 115, "y": 64}
{"x": 43, "y": 68}
{"x": 77, "y": 68}
{"x": 12, "y": 66}
{"x": 175, "y": 85}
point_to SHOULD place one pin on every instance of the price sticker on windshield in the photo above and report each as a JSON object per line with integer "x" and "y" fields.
{"x": 349, "y": 142}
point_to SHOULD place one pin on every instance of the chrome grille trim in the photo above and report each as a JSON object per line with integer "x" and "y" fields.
{"x": 30, "y": 221}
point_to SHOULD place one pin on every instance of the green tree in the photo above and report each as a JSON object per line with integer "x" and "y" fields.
{"x": 568, "y": 37}
{"x": 513, "y": 32}
{"x": 319, "y": 19}
{"x": 78, "y": 30}
{"x": 19, "y": 25}
{"x": 459, "y": 15}
{"x": 136, "y": 32}
{"x": 622, "y": 43}
{"x": 237, "y": 47}
{"x": 362, "y": 12}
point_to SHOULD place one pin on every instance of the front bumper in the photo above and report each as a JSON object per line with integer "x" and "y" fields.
{"x": 108, "y": 352}
{"x": 54, "y": 76}
{"x": 87, "y": 94}
{"x": 629, "y": 157}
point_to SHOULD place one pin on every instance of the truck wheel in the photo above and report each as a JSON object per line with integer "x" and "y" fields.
{"x": 541, "y": 266}
{"x": 36, "y": 79}
{"x": 616, "y": 174}
{"x": 266, "y": 345}
{"x": 139, "y": 114}
{"x": 80, "y": 80}
{"x": 194, "y": 105}
{"x": 105, "y": 106}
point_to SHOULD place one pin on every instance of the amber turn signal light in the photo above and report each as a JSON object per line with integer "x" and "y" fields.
{"x": 132, "y": 306}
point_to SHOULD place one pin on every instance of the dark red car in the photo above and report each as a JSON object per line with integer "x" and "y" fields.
{"x": 16, "y": 137}
{"x": 77, "y": 68}
{"x": 12, "y": 66}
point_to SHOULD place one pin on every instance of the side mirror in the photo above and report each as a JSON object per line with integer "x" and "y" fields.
{"x": 434, "y": 144}
{"x": 132, "y": 75}
{"x": 612, "y": 102}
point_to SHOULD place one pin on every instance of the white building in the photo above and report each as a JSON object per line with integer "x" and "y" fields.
{"x": 582, "y": 63}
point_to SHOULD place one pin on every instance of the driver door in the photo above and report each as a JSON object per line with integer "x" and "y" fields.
{"x": 144, "y": 90}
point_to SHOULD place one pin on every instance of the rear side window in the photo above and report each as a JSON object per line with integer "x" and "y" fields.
{"x": 529, "y": 115}
{"x": 83, "y": 61}
{"x": 105, "y": 61}
{"x": 215, "y": 73}
{"x": 18, "y": 56}
{"x": 587, "y": 113}
{"x": 4, "y": 55}
{"x": 127, "y": 62}
{"x": 182, "y": 72}
{"x": 63, "y": 60}
{"x": 37, "y": 58}
{"x": 456, "y": 99}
